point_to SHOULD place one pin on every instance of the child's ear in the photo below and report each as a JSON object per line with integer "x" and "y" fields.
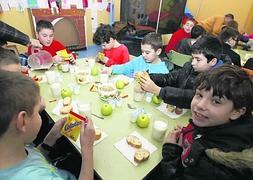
{"x": 237, "y": 113}
{"x": 213, "y": 61}
{"x": 158, "y": 51}
{"x": 21, "y": 121}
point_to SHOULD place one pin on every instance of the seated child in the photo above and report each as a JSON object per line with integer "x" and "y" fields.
{"x": 114, "y": 52}
{"x": 9, "y": 61}
{"x": 217, "y": 143}
{"x": 151, "y": 47}
{"x": 180, "y": 34}
{"x": 45, "y": 34}
{"x": 20, "y": 123}
{"x": 176, "y": 88}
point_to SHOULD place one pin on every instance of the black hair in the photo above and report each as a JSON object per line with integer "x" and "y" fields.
{"x": 209, "y": 46}
{"x": 43, "y": 24}
{"x": 7, "y": 57}
{"x": 154, "y": 40}
{"x": 230, "y": 16}
{"x": 197, "y": 31}
{"x": 103, "y": 34}
{"x": 17, "y": 93}
{"x": 227, "y": 33}
{"x": 231, "y": 82}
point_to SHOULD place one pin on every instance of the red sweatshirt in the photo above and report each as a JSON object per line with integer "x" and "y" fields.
{"x": 119, "y": 55}
{"x": 175, "y": 39}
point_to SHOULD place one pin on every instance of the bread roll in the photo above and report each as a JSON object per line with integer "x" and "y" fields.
{"x": 134, "y": 141}
{"x": 97, "y": 134}
{"x": 65, "y": 109}
{"x": 141, "y": 155}
{"x": 170, "y": 108}
{"x": 178, "y": 110}
{"x": 66, "y": 101}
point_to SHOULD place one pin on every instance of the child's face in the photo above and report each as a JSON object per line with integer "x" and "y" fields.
{"x": 46, "y": 36}
{"x": 108, "y": 45}
{"x": 208, "y": 110}
{"x": 33, "y": 123}
{"x": 200, "y": 64}
{"x": 148, "y": 53}
{"x": 188, "y": 26}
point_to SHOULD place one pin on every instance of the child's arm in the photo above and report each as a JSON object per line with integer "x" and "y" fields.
{"x": 125, "y": 69}
{"x": 87, "y": 137}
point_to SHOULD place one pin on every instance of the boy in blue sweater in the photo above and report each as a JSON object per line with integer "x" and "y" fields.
{"x": 151, "y": 47}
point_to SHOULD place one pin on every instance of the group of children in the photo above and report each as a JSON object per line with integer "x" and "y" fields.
{"x": 216, "y": 144}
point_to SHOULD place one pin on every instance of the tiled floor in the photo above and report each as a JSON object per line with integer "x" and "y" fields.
{"x": 90, "y": 51}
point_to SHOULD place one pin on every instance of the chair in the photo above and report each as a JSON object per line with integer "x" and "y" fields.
{"x": 177, "y": 58}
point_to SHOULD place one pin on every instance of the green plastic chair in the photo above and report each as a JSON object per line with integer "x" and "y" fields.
{"x": 177, "y": 58}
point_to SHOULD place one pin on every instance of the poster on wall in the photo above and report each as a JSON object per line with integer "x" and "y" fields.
{"x": 4, "y": 5}
{"x": 32, "y": 4}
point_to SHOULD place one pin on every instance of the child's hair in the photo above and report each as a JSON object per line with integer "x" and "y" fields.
{"x": 229, "y": 81}
{"x": 154, "y": 40}
{"x": 7, "y": 57}
{"x": 197, "y": 31}
{"x": 228, "y": 33}
{"x": 42, "y": 24}
{"x": 17, "y": 93}
{"x": 232, "y": 24}
{"x": 209, "y": 46}
{"x": 229, "y": 15}
{"x": 103, "y": 34}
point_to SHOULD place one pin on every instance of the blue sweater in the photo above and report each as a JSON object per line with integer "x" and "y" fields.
{"x": 139, "y": 64}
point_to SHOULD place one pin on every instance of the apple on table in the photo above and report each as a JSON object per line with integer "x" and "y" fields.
{"x": 106, "y": 109}
{"x": 120, "y": 84}
{"x": 94, "y": 71}
{"x": 66, "y": 93}
{"x": 143, "y": 120}
{"x": 156, "y": 99}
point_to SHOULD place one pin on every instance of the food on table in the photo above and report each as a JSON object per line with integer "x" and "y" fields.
{"x": 66, "y": 109}
{"x": 107, "y": 90}
{"x": 134, "y": 141}
{"x": 172, "y": 108}
{"x": 141, "y": 155}
{"x": 37, "y": 78}
{"x": 178, "y": 110}
{"x": 97, "y": 134}
{"x": 67, "y": 101}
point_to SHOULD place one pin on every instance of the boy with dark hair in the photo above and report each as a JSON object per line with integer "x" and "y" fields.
{"x": 9, "y": 61}
{"x": 184, "y": 46}
{"x": 20, "y": 123}
{"x": 217, "y": 143}
{"x": 228, "y": 37}
{"x": 45, "y": 34}
{"x": 114, "y": 52}
{"x": 176, "y": 88}
{"x": 151, "y": 47}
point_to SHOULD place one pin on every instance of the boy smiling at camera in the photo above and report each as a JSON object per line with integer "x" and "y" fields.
{"x": 218, "y": 142}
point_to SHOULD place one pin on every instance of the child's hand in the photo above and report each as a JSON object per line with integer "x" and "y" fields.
{"x": 87, "y": 135}
{"x": 55, "y": 132}
{"x": 57, "y": 59}
{"x": 148, "y": 85}
{"x": 175, "y": 136}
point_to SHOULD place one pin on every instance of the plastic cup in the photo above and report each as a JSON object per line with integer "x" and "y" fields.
{"x": 91, "y": 62}
{"x": 51, "y": 77}
{"x": 65, "y": 67}
{"x": 104, "y": 77}
{"x": 159, "y": 129}
{"x": 84, "y": 109}
{"x": 56, "y": 90}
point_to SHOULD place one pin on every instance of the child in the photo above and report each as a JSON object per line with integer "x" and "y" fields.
{"x": 114, "y": 52}
{"x": 20, "y": 123}
{"x": 176, "y": 88}
{"x": 217, "y": 143}
{"x": 228, "y": 37}
{"x": 9, "y": 61}
{"x": 151, "y": 47}
{"x": 184, "y": 46}
{"x": 180, "y": 34}
{"x": 45, "y": 34}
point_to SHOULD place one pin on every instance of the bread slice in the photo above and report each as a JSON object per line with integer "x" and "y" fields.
{"x": 67, "y": 101}
{"x": 178, "y": 110}
{"x": 97, "y": 134}
{"x": 141, "y": 155}
{"x": 134, "y": 141}
{"x": 170, "y": 108}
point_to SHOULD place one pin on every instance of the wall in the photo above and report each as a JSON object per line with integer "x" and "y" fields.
{"x": 202, "y": 9}
{"x": 19, "y": 20}
{"x": 23, "y": 22}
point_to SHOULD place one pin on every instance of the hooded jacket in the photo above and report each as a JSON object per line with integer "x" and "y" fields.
{"x": 221, "y": 152}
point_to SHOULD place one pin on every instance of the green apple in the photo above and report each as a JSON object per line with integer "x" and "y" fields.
{"x": 142, "y": 120}
{"x": 120, "y": 84}
{"x": 66, "y": 93}
{"x": 94, "y": 71}
{"x": 156, "y": 99}
{"x": 106, "y": 109}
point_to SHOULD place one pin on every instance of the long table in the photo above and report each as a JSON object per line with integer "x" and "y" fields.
{"x": 109, "y": 163}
